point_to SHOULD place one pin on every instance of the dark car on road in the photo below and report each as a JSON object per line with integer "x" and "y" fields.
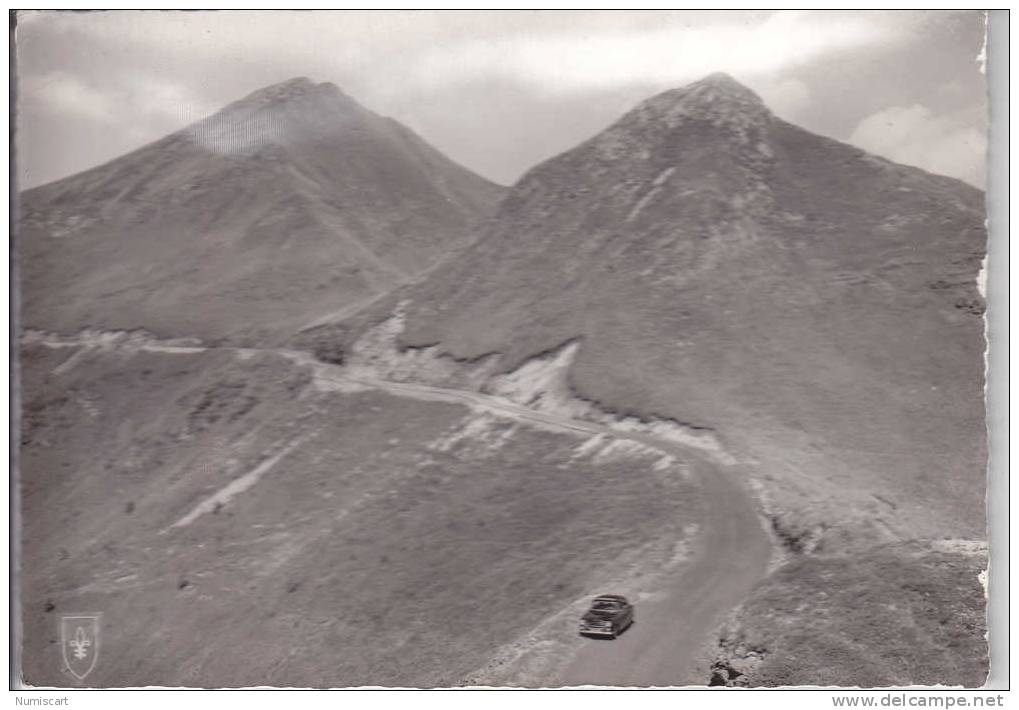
{"x": 609, "y": 615}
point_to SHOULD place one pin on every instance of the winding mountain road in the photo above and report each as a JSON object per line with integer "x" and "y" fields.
{"x": 669, "y": 643}
{"x": 673, "y": 632}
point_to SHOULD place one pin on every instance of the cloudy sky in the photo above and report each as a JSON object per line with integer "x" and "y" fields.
{"x": 501, "y": 91}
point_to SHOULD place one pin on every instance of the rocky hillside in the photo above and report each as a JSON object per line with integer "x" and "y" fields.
{"x": 290, "y": 204}
{"x": 250, "y": 522}
{"x": 899, "y": 615}
{"x": 813, "y": 305}
{"x": 781, "y": 308}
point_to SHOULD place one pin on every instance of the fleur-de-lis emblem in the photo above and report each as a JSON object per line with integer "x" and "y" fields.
{"x": 80, "y": 636}
{"x": 80, "y": 643}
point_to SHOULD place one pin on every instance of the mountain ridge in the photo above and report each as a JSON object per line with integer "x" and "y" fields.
{"x": 726, "y": 267}
{"x": 784, "y": 331}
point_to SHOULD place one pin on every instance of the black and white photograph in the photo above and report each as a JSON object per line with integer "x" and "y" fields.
{"x": 500, "y": 349}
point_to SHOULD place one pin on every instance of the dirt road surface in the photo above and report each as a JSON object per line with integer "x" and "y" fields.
{"x": 670, "y": 642}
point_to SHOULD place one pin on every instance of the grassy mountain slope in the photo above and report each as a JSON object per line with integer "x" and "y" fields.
{"x": 385, "y": 541}
{"x": 286, "y": 205}
{"x": 816, "y": 308}
{"x": 813, "y": 304}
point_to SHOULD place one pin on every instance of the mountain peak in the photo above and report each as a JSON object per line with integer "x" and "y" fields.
{"x": 314, "y": 200}
{"x": 717, "y": 99}
{"x": 297, "y": 109}
{"x": 716, "y": 93}
{"x": 300, "y": 89}
{"x": 297, "y": 87}
{"x": 721, "y": 81}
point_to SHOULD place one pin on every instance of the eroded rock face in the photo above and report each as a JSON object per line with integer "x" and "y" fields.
{"x": 541, "y": 383}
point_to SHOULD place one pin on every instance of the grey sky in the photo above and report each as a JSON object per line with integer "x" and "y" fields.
{"x": 501, "y": 91}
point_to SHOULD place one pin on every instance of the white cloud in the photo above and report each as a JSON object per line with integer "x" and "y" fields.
{"x": 139, "y": 75}
{"x": 555, "y": 51}
{"x": 64, "y": 93}
{"x": 67, "y": 123}
{"x": 670, "y": 54}
{"x": 130, "y": 97}
{"x": 953, "y": 145}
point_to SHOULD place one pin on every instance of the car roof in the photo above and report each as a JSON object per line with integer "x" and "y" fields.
{"x": 610, "y": 598}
